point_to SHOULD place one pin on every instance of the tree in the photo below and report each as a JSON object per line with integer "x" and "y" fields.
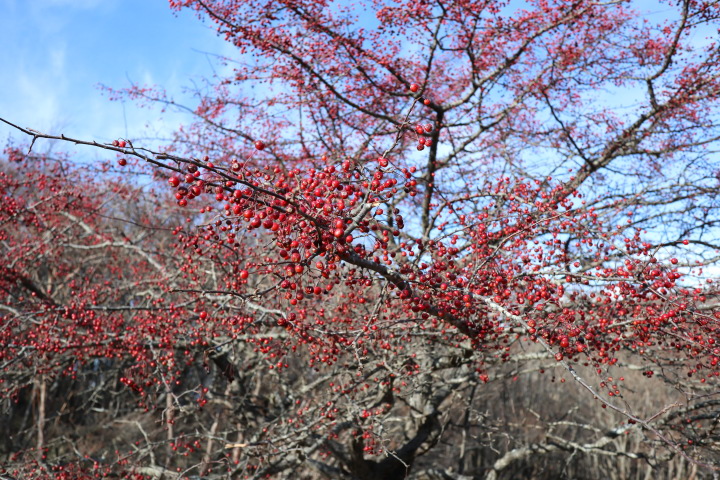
{"x": 431, "y": 225}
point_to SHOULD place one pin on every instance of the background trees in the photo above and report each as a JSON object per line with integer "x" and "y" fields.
{"x": 423, "y": 240}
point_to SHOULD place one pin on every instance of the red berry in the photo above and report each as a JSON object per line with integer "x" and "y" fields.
{"x": 426, "y": 101}
{"x": 338, "y": 232}
{"x": 174, "y": 181}
{"x": 122, "y": 162}
{"x": 244, "y": 274}
{"x": 121, "y": 144}
{"x": 414, "y": 87}
{"x": 259, "y": 145}
{"x": 674, "y": 261}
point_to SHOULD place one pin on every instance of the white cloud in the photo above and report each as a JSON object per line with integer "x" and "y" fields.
{"x": 57, "y": 59}
{"x": 35, "y": 101}
{"x": 57, "y": 51}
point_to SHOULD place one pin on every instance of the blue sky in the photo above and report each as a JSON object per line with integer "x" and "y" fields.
{"x": 55, "y": 53}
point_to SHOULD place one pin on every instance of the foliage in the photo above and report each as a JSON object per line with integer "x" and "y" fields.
{"x": 391, "y": 225}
